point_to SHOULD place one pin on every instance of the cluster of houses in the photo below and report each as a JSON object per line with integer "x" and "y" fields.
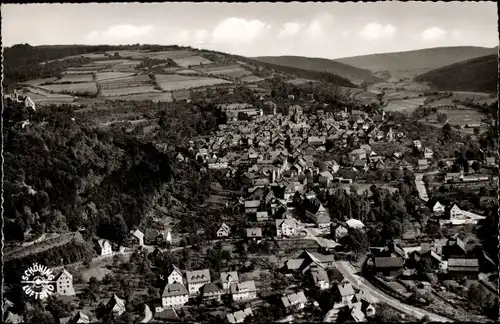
{"x": 136, "y": 238}
{"x": 15, "y": 98}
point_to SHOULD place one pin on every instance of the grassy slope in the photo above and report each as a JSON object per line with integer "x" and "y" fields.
{"x": 319, "y": 64}
{"x": 478, "y": 74}
{"x": 425, "y": 59}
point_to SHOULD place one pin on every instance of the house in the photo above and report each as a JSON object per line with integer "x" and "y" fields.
{"x": 346, "y": 292}
{"x": 239, "y": 316}
{"x": 309, "y": 260}
{"x": 135, "y": 238}
{"x": 317, "y": 213}
{"x": 417, "y": 144}
{"x": 223, "y": 230}
{"x": 227, "y": 278}
{"x": 79, "y": 317}
{"x": 10, "y": 317}
{"x": 455, "y": 249}
{"x": 254, "y": 233}
{"x": 174, "y": 275}
{"x": 357, "y": 155}
{"x": 325, "y": 178}
{"x": 286, "y": 227}
{"x": 297, "y": 300}
{"x": 423, "y": 164}
{"x": 361, "y": 165}
{"x": 332, "y": 315}
{"x": 356, "y": 313}
{"x": 438, "y": 208}
{"x": 64, "y": 283}
{"x": 103, "y": 247}
{"x": 320, "y": 278}
{"x": 386, "y": 266}
{"x": 340, "y": 231}
{"x": 243, "y": 290}
{"x": 180, "y": 158}
{"x": 115, "y": 306}
{"x": 262, "y": 216}
{"x": 211, "y": 291}
{"x": 355, "y": 224}
{"x": 196, "y": 279}
{"x": 252, "y": 206}
{"x": 490, "y": 161}
{"x": 174, "y": 295}
{"x": 28, "y": 103}
{"x": 428, "y": 153}
{"x": 463, "y": 268}
{"x": 459, "y": 217}
{"x": 151, "y": 236}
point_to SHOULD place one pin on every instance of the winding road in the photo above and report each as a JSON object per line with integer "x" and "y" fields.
{"x": 360, "y": 283}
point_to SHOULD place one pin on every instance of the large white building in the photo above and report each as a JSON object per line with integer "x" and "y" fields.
{"x": 243, "y": 291}
{"x": 174, "y": 295}
{"x": 196, "y": 279}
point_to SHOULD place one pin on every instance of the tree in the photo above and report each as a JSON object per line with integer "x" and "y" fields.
{"x": 356, "y": 240}
{"x": 476, "y": 166}
{"x": 442, "y": 118}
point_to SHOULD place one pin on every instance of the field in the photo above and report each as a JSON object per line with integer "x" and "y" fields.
{"x": 400, "y": 95}
{"x": 405, "y": 106}
{"x": 234, "y": 71}
{"x": 37, "y": 82}
{"x": 462, "y": 116}
{"x": 170, "y": 54}
{"x": 181, "y": 94}
{"x": 86, "y": 71}
{"x": 187, "y": 72}
{"x": 192, "y": 60}
{"x": 171, "y": 69}
{"x": 128, "y": 66}
{"x": 159, "y": 96}
{"x": 89, "y": 87}
{"x": 126, "y": 82}
{"x": 112, "y": 75}
{"x": 106, "y": 62}
{"x": 42, "y": 97}
{"x": 128, "y": 91}
{"x": 251, "y": 78}
{"x": 75, "y": 78}
{"x": 169, "y": 82}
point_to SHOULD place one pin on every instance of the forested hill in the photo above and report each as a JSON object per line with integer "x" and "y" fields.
{"x": 321, "y": 65}
{"x": 478, "y": 74}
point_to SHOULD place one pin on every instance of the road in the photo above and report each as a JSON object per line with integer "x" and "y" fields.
{"x": 419, "y": 183}
{"x": 360, "y": 283}
{"x": 148, "y": 315}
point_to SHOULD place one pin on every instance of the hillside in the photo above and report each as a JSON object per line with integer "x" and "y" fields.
{"x": 418, "y": 61}
{"x": 323, "y": 65}
{"x": 478, "y": 74}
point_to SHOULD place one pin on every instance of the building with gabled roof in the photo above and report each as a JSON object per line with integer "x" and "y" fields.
{"x": 320, "y": 278}
{"x": 286, "y": 227}
{"x": 135, "y": 238}
{"x": 196, "y": 279}
{"x": 64, "y": 283}
{"x": 223, "y": 230}
{"x": 115, "y": 306}
{"x": 463, "y": 268}
{"x": 243, "y": 290}
{"x": 103, "y": 247}
{"x": 227, "y": 278}
{"x": 239, "y": 316}
{"x": 211, "y": 291}
{"x": 346, "y": 292}
{"x": 298, "y": 300}
{"x": 174, "y": 275}
{"x": 79, "y": 317}
{"x": 174, "y": 295}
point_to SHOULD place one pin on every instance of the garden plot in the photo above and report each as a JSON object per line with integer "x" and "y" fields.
{"x": 75, "y": 78}
{"x": 251, "y": 78}
{"x": 126, "y": 82}
{"x": 128, "y": 91}
{"x": 405, "y": 106}
{"x": 87, "y": 87}
{"x": 192, "y": 60}
{"x": 155, "y": 96}
{"x": 112, "y": 75}
{"x": 169, "y": 82}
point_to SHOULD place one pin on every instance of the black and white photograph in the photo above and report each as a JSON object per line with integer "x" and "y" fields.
{"x": 252, "y": 162}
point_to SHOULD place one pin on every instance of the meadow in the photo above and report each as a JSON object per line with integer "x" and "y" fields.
{"x": 125, "y": 82}
{"x": 169, "y": 82}
{"x": 405, "y": 106}
{"x": 128, "y": 91}
{"x": 191, "y": 60}
{"x": 158, "y": 96}
{"x": 76, "y": 78}
{"x": 87, "y": 87}
{"x": 112, "y": 75}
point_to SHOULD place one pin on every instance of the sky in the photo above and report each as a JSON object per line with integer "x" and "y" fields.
{"x": 328, "y": 30}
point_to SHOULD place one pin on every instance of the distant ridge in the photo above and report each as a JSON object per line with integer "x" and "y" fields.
{"x": 418, "y": 61}
{"x": 478, "y": 74}
{"x": 321, "y": 65}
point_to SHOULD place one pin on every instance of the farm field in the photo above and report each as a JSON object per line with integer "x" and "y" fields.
{"x": 128, "y": 66}
{"x": 405, "y": 106}
{"x": 37, "y": 82}
{"x": 130, "y": 81}
{"x": 171, "y": 69}
{"x": 40, "y": 98}
{"x": 75, "y": 78}
{"x": 462, "y": 116}
{"x": 170, "y": 54}
{"x": 126, "y": 53}
{"x": 106, "y": 62}
{"x": 159, "y": 96}
{"x": 251, "y": 78}
{"x": 192, "y": 60}
{"x": 169, "y": 82}
{"x": 112, "y": 75}
{"x": 181, "y": 94}
{"x": 86, "y": 71}
{"x": 128, "y": 91}
{"x": 234, "y": 71}
{"x": 401, "y": 95}
{"x": 89, "y": 87}
{"x": 187, "y": 72}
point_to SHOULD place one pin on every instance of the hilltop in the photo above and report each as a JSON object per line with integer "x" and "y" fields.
{"x": 478, "y": 74}
{"x": 324, "y": 65}
{"x": 415, "y": 62}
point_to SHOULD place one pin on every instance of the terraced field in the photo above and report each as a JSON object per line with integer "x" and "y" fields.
{"x": 157, "y": 96}
{"x": 187, "y": 72}
{"x": 234, "y": 71}
{"x": 169, "y": 82}
{"x": 192, "y": 60}
{"x": 75, "y": 78}
{"x": 87, "y": 87}
{"x": 128, "y": 91}
{"x": 126, "y": 82}
{"x": 112, "y": 75}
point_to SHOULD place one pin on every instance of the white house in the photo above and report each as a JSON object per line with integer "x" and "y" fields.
{"x": 243, "y": 290}
{"x": 227, "y": 278}
{"x": 346, "y": 292}
{"x": 196, "y": 279}
{"x": 175, "y": 276}
{"x": 428, "y": 153}
{"x": 174, "y": 295}
{"x": 103, "y": 247}
{"x": 286, "y": 227}
{"x": 320, "y": 278}
{"x": 438, "y": 208}
{"x": 459, "y": 217}
{"x": 239, "y": 316}
{"x": 223, "y": 230}
{"x": 354, "y": 223}
{"x": 298, "y": 300}
{"x": 116, "y": 306}
{"x": 64, "y": 283}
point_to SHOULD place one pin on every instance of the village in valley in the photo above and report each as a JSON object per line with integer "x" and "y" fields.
{"x": 189, "y": 185}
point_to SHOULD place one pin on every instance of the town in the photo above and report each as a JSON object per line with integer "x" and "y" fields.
{"x": 201, "y": 186}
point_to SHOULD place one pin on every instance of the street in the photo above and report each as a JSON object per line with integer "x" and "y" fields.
{"x": 360, "y": 283}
